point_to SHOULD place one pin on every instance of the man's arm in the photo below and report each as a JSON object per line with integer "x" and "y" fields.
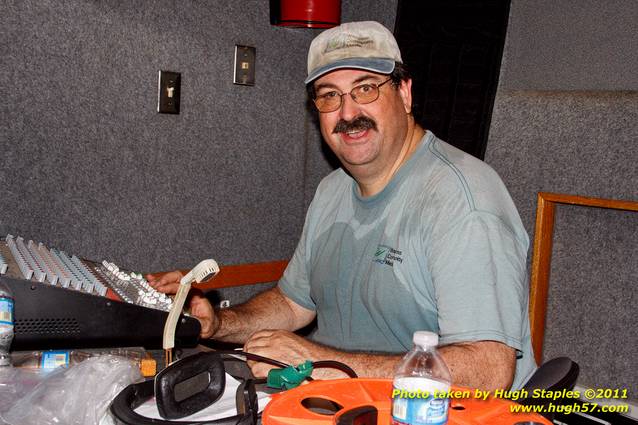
{"x": 487, "y": 365}
{"x": 269, "y": 310}
{"x": 293, "y": 349}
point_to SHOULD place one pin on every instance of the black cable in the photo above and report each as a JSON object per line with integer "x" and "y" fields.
{"x": 254, "y": 357}
{"x": 333, "y": 364}
{"x": 321, "y": 364}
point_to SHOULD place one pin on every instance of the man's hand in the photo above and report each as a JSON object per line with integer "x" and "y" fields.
{"x": 284, "y": 346}
{"x": 167, "y": 284}
{"x": 200, "y": 307}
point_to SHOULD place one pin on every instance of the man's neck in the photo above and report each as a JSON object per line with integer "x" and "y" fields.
{"x": 373, "y": 184}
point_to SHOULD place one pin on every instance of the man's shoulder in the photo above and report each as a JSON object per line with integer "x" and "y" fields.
{"x": 457, "y": 163}
{"x": 331, "y": 191}
{"x": 337, "y": 180}
{"x": 455, "y": 185}
{"x": 439, "y": 178}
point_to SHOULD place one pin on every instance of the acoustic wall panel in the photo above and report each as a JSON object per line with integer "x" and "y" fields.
{"x": 572, "y": 45}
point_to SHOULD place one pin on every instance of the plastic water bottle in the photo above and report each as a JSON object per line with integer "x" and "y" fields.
{"x": 6, "y": 324}
{"x": 421, "y": 384}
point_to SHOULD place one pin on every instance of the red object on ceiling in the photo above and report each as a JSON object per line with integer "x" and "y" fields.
{"x": 309, "y": 13}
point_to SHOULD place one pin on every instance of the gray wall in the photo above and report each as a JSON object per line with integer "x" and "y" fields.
{"x": 87, "y": 164}
{"x": 572, "y": 45}
{"x": 567, "y": 122}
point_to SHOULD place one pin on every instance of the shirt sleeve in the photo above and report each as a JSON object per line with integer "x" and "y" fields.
{"x": 479, "y": 274}
{"x": 295, "y": 282}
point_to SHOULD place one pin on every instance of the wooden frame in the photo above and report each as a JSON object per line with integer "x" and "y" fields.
{"x": 542, "y": 255}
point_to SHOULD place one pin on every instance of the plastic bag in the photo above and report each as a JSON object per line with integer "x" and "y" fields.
{"x": 15, "y": 383}
{"x": 80, "y": 394}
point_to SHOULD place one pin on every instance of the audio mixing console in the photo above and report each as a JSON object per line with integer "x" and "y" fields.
{"x": 63, "y": 301}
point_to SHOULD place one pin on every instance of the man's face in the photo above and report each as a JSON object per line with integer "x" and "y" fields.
{"x": 368, "y": 138}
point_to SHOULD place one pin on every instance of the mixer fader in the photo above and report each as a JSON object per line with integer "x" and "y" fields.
{"x": 3, "y": 265}
{"x": 65, "y": 301}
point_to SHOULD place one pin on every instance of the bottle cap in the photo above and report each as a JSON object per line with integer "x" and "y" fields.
{"x": 425, "y": 339}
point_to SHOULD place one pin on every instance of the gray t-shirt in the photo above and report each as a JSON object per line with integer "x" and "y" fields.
{"x": 440, "y": 248}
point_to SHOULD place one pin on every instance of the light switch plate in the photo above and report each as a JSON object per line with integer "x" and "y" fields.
{"x": 244, "y": 65}
{"x": 168, "y": 92}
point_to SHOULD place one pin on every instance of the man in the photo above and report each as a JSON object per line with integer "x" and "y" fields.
{"x": 411, "y": 234}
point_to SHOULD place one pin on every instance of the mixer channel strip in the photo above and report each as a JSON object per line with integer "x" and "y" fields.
{"x": 75, "y": 281}
{"x": 38, "y": 271}
{"x": 51, "y": 277}
{"x": 54, "y": 265}
{"x": 86, "y": 281}
{"x": 23, "y": 265}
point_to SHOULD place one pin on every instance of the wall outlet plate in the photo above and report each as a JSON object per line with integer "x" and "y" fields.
{"x": 244, "y": 65}
{"x": 168, "y": 92}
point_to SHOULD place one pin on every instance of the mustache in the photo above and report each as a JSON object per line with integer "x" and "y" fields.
{"x": 357, "y": 124}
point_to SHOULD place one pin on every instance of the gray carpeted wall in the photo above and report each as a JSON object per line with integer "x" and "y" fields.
{"x": 566, "y": 120}
{"x": 88, "y": 165}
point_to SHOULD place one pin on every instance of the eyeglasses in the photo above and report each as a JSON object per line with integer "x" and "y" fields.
{"x": 362, "y": 94}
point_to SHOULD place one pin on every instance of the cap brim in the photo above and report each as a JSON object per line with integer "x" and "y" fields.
{"x": 381, "y": 66}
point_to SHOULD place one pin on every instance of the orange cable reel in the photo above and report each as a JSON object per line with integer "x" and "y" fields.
{"x": 364, "y": 401}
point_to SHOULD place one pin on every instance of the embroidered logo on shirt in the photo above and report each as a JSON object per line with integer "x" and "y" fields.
{"x": 388, "y": 256}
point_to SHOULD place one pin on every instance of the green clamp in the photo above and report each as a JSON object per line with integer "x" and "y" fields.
{"x": 289, "y": 377}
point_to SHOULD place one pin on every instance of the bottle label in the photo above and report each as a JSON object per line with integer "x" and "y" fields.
{"x": 6, "y": 311}
{"x": 53, "y": 359}
{"x": 419, "y": 408}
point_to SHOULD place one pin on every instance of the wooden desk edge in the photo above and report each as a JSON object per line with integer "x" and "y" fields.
{"x": 243, "y": 274}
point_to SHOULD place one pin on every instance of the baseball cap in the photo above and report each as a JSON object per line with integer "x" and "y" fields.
{"x": 364, "y": 45}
